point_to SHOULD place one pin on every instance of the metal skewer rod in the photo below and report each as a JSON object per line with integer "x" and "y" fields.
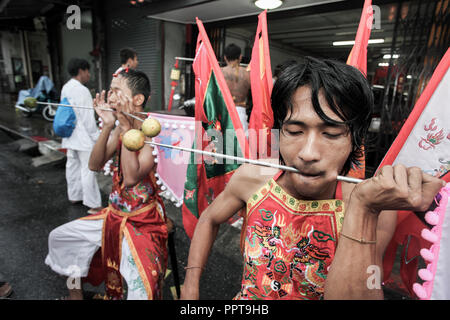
{"x": 105, "y": 109}
{"x": 184, "y": 59}
{"x": 133, "y": 116}
{"x": 72, "y": 106}
{"x": 84, "y": 107}
{"x": 244, "y": 160}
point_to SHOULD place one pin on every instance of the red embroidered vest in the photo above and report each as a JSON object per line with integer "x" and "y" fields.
{"x": 289, "y": 244}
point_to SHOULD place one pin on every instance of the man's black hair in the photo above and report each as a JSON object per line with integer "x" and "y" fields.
{"x": 127, "y": 53}
{"x": 75, "y": 64}
{"x": 345, "y": 88}
{"x": 232, "y": 52}
{"x": 138, "y": 82}
{"x": 280, "y": 67}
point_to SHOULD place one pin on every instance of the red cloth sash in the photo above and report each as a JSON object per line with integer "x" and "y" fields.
{"x": 146, "y": 232}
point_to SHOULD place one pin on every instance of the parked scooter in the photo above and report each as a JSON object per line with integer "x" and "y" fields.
{"x": 44, "y": 91}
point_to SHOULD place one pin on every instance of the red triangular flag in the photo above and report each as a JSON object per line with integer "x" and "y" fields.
{"x": 261, "y": 119}
{"x": 358, "y": 58}
{"x": 214, "y": 109}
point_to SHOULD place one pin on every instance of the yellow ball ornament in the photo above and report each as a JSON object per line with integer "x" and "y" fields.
{"x": 151, "y": 127}
{"x": 134, "y": 140}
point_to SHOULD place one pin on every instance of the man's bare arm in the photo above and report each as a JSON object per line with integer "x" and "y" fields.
{"x": 395, "y": 188}
{"x": 136, "y": 167}
{"x": 104, "y": 148}
{"x": 354, "y": 262}
{"x": 222, "y": 208}
{"x": 244, "y": 182}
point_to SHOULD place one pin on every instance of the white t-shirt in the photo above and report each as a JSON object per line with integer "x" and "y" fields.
{"x": 86, "y": 131}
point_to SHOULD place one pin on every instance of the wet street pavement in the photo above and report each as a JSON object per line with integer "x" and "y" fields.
{"x": 34, "y": 201}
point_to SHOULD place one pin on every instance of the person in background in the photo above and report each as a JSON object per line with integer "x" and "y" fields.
{"x": 238, "y": 81}
{"x": 82, "y": 183}
{"x": 128, "y": 59}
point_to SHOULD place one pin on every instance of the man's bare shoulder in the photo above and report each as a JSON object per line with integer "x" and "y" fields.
{"x": 226, "y": 69}
{"x": 244, "y": 71}
{"x": 248, "y": 178}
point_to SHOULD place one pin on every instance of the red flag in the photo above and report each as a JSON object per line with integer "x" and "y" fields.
{"x": 424, "y": 142}
{"x": 358, "y": 55}
{"x": 214, "y": 110}
{"x": 261, "y": 83}
{"x": 358, "y": 58}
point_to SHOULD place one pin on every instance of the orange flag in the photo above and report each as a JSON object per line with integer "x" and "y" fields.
{"x": 215, "y": 112}
{"x": 261, "y": 119}
{"x": 358, "y": 58}
{"x": 358, "y": 55}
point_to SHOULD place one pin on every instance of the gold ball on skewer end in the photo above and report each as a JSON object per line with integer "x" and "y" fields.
{"x": 134, "y": 140}
{"x": 151, "y": 127}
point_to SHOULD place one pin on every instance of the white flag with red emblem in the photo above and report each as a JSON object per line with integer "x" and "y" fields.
{"x": 424, "y": 141}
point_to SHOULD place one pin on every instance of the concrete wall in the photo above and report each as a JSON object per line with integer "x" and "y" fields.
{"x": 77, "y": 43}
{"x": 279, "y": 55}
{"x": 11, "y": 48}
{"x": 38, "y": 49}
{"x": 37, "y": 42}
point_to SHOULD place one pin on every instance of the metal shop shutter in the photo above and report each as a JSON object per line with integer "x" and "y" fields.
{"x": 143, "y": 35}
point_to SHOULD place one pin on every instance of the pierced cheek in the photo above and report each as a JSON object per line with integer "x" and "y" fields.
{"x": 113, "y": 99}
{"x": 342, "y": 157}
{"x": 284, "y": 154}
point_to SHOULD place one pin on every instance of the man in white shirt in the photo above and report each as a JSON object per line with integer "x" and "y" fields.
{"x": 81, "y": 182}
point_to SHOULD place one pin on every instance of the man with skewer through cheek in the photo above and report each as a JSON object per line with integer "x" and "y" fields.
{"x": 305, "y": 235}
{"x": 127, "y": 240}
